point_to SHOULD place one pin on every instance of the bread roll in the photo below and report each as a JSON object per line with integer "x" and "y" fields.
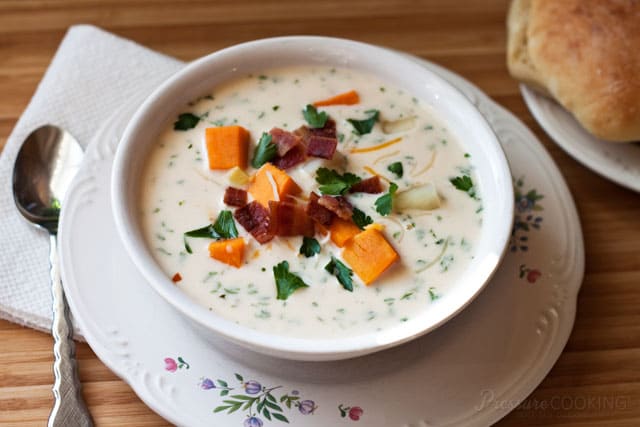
{"x": 586, "y": 55}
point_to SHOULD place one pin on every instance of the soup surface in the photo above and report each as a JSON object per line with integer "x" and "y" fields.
{"x": 383, "y": 132}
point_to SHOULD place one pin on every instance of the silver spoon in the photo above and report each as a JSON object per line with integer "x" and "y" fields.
{"x": 47, "y": 162}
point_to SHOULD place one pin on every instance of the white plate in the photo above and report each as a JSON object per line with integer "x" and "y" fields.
{"x": 619, "y": 162}
{"x": 472, "y": 371}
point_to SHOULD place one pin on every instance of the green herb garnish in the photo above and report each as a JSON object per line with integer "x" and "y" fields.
{"x": 342, "y": 272}
{"x": 186, "y": 121}
{"x": 331, "y": 182}
{"x": 310, "y": 247}
{"x": 360, "y": 218}
{"x": 286, "y": 282}
{"x": 396, "y": 168}
{"x": 363, "y": 127}
{"x": 265, "y": 151}
{"x": 223, "y": 228}
{"x": 384, "y": 203}
{"x": 464, "y": 183}
{"x": 313, "y": 117}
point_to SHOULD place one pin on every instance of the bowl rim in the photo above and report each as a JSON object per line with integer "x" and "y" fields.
{"x": 263, "y": 342}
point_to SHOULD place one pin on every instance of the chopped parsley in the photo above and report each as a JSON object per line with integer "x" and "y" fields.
{"x": 464, "y": 183}
{"x": 360, "y": 218}
{"x": 265, "y": 151}
{"x": 342, "y": 272}
{"x": 223, "y": 228}
{"x": 310, "y": 247}
{"x": 396, "y": 168}
{"x": 313, "y": 117}
{"x": 384, "y": 203}
{"x": 331, "y": 182}
{"x": 286, "y": 282}
{"x": 365, "y": 126}
{"x": 186, "y": 121}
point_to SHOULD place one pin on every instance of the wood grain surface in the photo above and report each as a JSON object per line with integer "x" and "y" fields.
{"x": 596, "y": 381}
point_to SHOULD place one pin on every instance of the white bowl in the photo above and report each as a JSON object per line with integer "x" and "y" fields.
{"x": 461, "y": 117}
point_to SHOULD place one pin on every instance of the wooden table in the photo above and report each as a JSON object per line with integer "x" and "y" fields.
{"x": 601, "y": 362}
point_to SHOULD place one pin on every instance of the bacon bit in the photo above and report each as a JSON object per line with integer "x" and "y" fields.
{"x": 321, "y": 146}
{"x": 294, "y": 156}
{"x": 328, "y": 131}
{"x": 235, "y": 197}
{"x": 176, "y": 278}
{"x": 289, "y": 219}
{"x": 370, "y": 185}
{"x": 376, "y": 147}
{"x": 375, "y": 173}
{"x": 319, "y": 214}
{"x": 256, "y": 220}
{"x": 284, "y": 140}
{"x": 338, "y": 205}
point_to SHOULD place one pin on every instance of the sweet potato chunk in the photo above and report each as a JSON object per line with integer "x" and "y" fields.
{"x": 369, "y": 254}
{"x": 268, "y": 180}
{"x": 229, "y": 251}
{"x": 227, "y": 146}
{"x": 342, "y": 231}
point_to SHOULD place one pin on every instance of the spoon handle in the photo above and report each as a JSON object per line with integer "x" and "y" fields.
{"x": 69, "y": 408}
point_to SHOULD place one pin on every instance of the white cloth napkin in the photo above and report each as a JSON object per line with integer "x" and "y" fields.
{"x": 92, "y": 74}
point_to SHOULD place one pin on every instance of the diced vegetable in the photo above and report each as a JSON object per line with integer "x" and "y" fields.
{"x": 176, "y": 278}
{"x": 400, "y": 125}
{"x": 342, "y": 231}
{"x": 346, "y": 98}
{"x": 227, "y": 146}
{"x": 237, "y": 176}
{"x": 424, "y": 197}
{"x": 271, "y": 183}
{"x": 369, "y": 254}
{"x": 228, "y": 251}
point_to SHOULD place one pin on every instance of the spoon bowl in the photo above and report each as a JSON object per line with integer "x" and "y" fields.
{"x": 47, "y": 162}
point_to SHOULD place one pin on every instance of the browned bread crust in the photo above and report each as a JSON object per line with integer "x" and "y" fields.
{"x": 584, "y": 53}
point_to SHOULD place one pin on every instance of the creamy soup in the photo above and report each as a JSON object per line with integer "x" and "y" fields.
{"x": 382, "y": 132}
